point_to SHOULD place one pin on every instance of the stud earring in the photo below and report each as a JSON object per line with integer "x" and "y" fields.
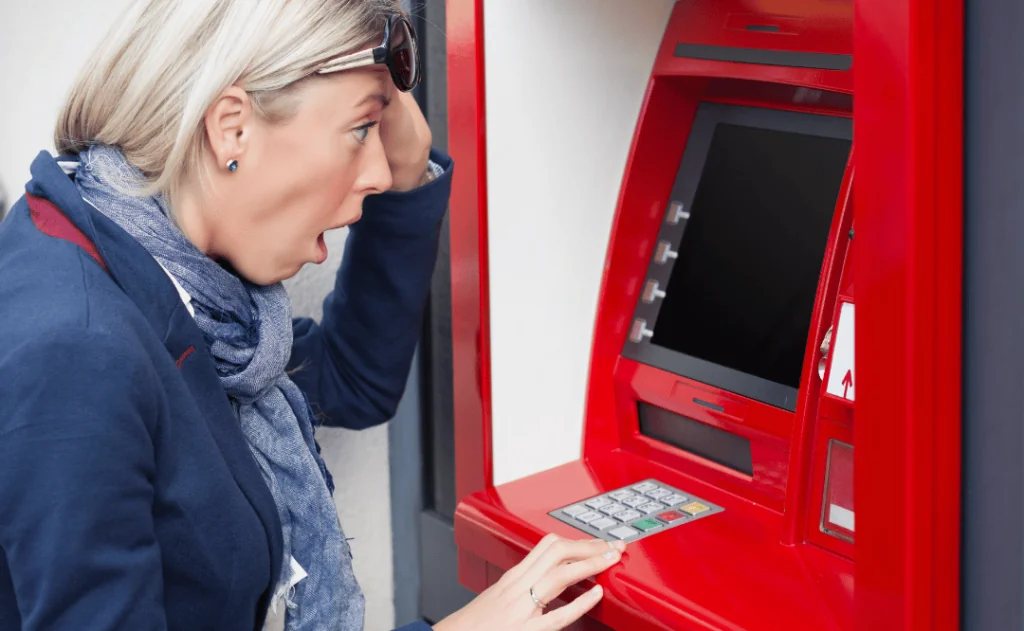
{"x": 232, "y": 165}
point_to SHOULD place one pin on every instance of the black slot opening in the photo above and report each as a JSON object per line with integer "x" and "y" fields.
{"x": 710, "y": 443}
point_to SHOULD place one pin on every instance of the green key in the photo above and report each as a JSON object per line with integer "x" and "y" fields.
{"x": 647, "y": 524}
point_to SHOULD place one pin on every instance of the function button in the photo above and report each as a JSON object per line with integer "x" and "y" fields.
{"x": 647, "y": 525}
{"x": 612, "y": 508}
{"x": 589, "y": 516}
{"x": 643, "y": 487}
{"x": 674, "y": 499}
{"x": 671, "y": 517}
{"x": 695, "y": 508}
{"x": 604, "y": 522}
{"x": 657, "y": 493}
{"x": 651, "y": 507}
{"x": 629, "y": 515}
{"x": 574, "y": 510}
{"x": 621, "y": 495}
{"x": 636, "y": 500}
{"x": 623, "y": 532}
{"x": 598, "y": 502}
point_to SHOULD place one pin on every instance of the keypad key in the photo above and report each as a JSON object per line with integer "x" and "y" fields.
{"x": 589, "y": 516}
{"x": 643, "y": 487}
{"x": 673, "y": 499}
{"x": 628, "y": 515}
{"x": 624, "y": 494}
{"x": 574, "y": 510}
{"x": 604, "y": 522}
{"x": 636, "y": 500}
{"x": 612, "y": 508}
{"x": 647, "y": 525}
{"x": 598, "y": 502}
{"x": 671, "y": 517}
{"x": 623, "y": 532}
{"x": 695, "y": 508}
{"x": 651, "y": 507}
{"x": 655, "y": 494}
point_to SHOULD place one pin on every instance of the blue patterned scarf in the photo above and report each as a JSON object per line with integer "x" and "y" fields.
{"x": 248, "y": 331}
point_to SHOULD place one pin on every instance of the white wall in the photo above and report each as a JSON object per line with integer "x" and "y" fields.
{"x": 37, "y": 65}
{"x": 565, "y": 81}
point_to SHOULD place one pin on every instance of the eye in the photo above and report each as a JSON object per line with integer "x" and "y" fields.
{"x": 363, "y": 131}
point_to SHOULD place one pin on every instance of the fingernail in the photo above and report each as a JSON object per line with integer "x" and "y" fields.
{"x": 598, "y": 591}
{"x": 620, "y": 546}
{"x": 611, "y": 554}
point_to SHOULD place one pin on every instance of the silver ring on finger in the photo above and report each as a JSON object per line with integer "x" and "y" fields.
{"x": 536, "y": 600}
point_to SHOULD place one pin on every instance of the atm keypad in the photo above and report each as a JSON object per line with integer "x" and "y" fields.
{"x": 634, "y": 512}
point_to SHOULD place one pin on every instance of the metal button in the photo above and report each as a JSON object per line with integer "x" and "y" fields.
{"x": 628, "y": 515}
{"x": 598, "y": 502}
{"x": 651, "y": 507}
{"x": 664, "y": 252}
{"x": 636, "y": 500}
{"x": 604, "y": 522}
{"x": 655, "y": 494}
{"x": 676, "y": 213}
{"x": 612, "y": 508}
{"x": 574, "y": 510}
{"x": 639, "y": 331}
{"x": 623, "y": 532}
{"x": 652, "y": 292}
{"x": 674, "y": 499}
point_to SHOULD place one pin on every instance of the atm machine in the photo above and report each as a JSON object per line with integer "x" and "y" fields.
{"x": 781, "y": 212}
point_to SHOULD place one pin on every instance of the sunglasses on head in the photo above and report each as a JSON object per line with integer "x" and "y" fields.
{"x": 399, "y": 52}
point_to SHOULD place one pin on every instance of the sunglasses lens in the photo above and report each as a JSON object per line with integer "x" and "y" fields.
{"x": 404, "y": 56}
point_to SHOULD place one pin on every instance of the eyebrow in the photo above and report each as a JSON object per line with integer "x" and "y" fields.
{"x": 378, "y": 96}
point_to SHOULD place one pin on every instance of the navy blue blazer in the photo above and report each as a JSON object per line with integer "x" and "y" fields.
{"x": 128, "y": 496}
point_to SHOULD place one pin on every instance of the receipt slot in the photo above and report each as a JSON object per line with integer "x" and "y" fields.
{"x": 722, "y": 436}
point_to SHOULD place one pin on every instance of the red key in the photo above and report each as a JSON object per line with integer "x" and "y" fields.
{"x": 671, "y": 516}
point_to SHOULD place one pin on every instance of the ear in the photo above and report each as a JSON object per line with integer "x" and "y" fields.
{"x": 229, "y": 125}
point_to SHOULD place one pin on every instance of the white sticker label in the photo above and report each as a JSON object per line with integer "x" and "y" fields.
{"x": 842, "y": 517}
{"x": 842, "y": 377}
{"x": 297, "y": 574}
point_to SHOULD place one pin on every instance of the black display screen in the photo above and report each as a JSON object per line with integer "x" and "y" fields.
{"x": 741, "y": 293}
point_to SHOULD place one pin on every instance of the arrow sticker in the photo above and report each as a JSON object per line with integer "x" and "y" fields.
{"x": 840, "y": 375}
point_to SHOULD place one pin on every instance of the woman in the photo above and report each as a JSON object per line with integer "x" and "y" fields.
{"x": 157, "y": 402}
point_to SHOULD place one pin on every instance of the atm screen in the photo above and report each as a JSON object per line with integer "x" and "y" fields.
{"x": 761, "y": 188}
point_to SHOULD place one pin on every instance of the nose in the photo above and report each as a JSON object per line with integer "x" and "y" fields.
{"x": 375, "y": 173}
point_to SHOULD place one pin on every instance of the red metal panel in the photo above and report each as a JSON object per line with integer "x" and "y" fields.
{"x": 471, "y": 356}
{"x": 907, "y": 430}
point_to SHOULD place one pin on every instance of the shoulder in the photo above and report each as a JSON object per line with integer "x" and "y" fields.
{"x": 69, "y": 337}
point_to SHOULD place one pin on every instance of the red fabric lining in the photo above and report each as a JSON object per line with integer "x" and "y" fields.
{"x": 52, "y": 221}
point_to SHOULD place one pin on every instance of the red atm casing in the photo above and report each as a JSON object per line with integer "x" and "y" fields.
{"x": 768, "y": 561}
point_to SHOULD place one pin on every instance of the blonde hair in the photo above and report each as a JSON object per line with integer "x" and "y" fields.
{"x": 148, "y": 85}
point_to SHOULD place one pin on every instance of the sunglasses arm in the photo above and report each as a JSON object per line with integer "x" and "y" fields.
{"x": 348, "y": 62}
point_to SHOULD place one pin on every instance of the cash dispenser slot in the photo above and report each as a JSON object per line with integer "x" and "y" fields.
{"x": 700, "y": 439}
